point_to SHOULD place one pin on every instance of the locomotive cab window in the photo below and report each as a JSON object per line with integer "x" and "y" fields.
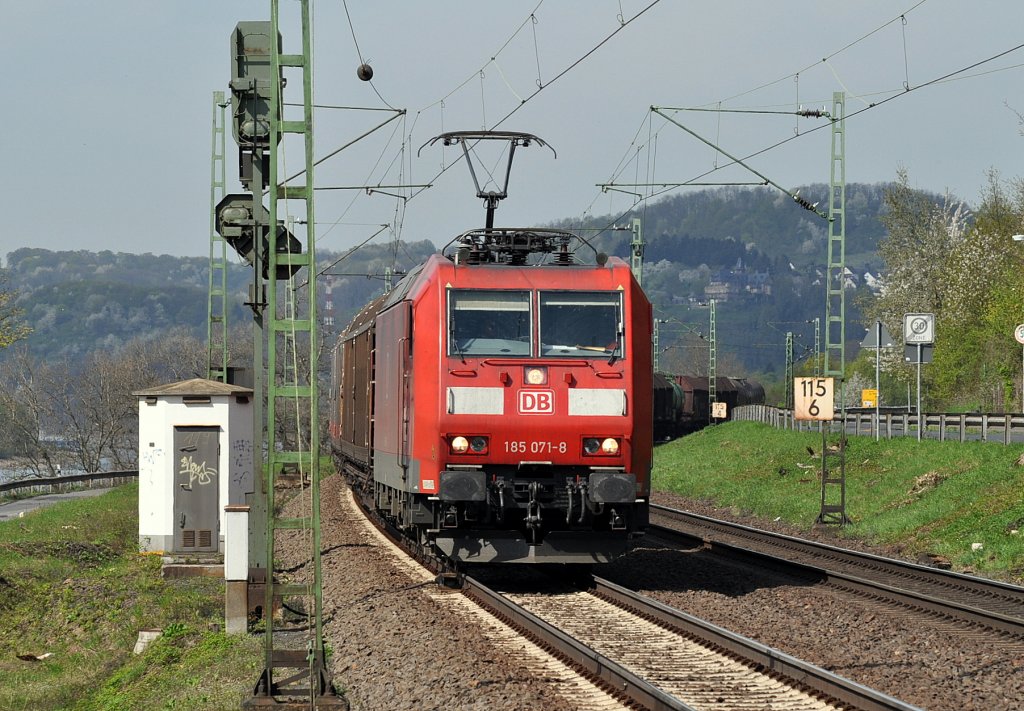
{"x": 581, "y": 324}
{"x": 488, "y": 323}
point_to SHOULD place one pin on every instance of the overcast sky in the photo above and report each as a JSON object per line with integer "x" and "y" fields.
{"x": 106, "y": 136}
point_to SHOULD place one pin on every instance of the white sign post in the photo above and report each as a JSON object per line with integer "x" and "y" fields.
{"x": 1018, "y": 334}
{"x": 919, "y": 330}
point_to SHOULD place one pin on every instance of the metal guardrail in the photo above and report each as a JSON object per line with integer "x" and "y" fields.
{"x": 1005, "y": 428}
{"x": 59, "y": 484}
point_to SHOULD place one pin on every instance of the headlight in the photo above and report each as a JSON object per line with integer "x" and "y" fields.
{"x": 535, "y": 375}
{"x": 600, "y": 446}
{"x": 478, "y": 444}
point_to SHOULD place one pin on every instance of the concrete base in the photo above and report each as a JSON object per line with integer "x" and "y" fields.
{"x": 152, "y": 543}
{"x": 193, "y": 567}
{"x": 236, "y": 606}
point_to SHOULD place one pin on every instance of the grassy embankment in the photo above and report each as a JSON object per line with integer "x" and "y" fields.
{"x": 73, "y": 585}
{"x": 927, "y": 497}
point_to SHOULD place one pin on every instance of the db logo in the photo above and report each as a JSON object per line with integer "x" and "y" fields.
{"x": 536, "y": 402}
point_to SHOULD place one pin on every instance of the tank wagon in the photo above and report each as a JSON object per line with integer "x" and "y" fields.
{"x": 682, "y": 402}
{"x": 497, "y": 404}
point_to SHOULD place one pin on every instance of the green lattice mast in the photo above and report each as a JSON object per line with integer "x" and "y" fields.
{"x": 833, "y": 483}
{"x": 283, "y": 300}
{"x": 712, "y": 362}
{"x": 217, "y": 317}
{"x": 835, "y": 302}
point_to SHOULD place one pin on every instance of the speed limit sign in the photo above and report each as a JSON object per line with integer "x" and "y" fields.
{"x": 918, "y": 328}
{"x": 1018, "y": 333}
{"x": 813, "y": 399}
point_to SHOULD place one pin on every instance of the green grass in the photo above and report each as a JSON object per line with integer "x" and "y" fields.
{"x": 72, "y": 584}
{"x": 928, "y": 497}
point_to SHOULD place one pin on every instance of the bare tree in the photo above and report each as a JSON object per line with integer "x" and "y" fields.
{"x": 28, "y": 413}
{"x": 82, "y": 414}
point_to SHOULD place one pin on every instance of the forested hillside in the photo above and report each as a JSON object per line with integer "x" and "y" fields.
{"x": 758, "y": 224}
{"x": 761, "y": 257}
{"x": 77, "y": 302}
{"x": 754, "y": 250}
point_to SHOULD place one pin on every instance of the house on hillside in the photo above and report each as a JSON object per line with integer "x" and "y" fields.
{"x": 726, "y": 285}
{"x": 759, "y": 283}
{"x": 872, "y": 282}
{"x": 723, "y": 286}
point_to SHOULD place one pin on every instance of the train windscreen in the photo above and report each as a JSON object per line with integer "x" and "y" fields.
{"x": 488, "y": 323}
{"x": 581, "y": 324}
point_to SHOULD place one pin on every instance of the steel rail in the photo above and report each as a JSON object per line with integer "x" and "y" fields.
{"x": 615, "y": 677}
{"x": 818, "y": 680}
{"x": 607, "y": 674}
{"x": 989, "y": 597}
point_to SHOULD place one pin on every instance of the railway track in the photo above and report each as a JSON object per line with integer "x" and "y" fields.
{"x": 992, "y": 606}
{"x": 647, "y": 655}
{"x": 661, "y": 658}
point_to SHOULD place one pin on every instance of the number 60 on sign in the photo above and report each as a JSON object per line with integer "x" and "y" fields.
{"x": 813, "y": 399}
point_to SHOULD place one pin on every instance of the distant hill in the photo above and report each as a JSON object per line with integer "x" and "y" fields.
{"x": 756, "y": 252}
{"x": 759, "y": 224}
{"x": 80, "y": 301}
{"x": 762, "y": 258}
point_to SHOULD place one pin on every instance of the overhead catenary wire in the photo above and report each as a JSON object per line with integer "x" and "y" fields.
{"x": 796, "y": 75}
{"x": 937, "y": 80}
{"x": 475, "y": 74}
{"x": 540, "y": 88}
{"x": 423, "y": 185}
{"x": 531, "y": 21}
{"x": 370, "y": 172}
{"x": 901, "y": 16}
{"x": 362, "y": 62}
{"x": 399, "y": 113}
{"x": 765, "y": 178}
{"x": 349, "y": 253}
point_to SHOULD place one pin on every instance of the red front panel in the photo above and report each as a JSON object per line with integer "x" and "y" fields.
{"x": 525, "y": 421}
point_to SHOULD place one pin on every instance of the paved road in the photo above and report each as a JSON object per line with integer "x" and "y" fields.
{"x": 16, "y": 508}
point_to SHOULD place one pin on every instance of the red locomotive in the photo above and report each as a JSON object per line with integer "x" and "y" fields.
{"x": 501, "y": 409}
{"x": 497, "y": 404}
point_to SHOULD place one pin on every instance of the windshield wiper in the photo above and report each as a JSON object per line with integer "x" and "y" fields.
{"x": 617, "y": 348}
{"x": 458, "y": 348}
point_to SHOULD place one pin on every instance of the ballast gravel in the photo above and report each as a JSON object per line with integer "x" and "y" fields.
{"x": 921, "y": 661}
{"x": 397, "y": 644}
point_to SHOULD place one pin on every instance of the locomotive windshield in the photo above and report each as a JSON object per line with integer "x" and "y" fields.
{"x": 494, "y": 323}
{"x": 581, "y": 324}
{"x": 573, "y": 324}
